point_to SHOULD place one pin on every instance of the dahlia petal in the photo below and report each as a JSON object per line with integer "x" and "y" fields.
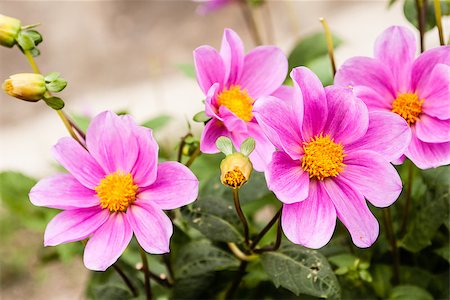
{"x": 424, "y": 64}
{"x": 265, "y": 69}
{"x": 174, "y": 187}
{"x": 211, "y": 101}
{"x": 310, "y": 222}
{"x": 369, "y": 72}
{"x": 280, "y": 123}
{"x": 209, "y": 67}
{"x": 314, "y": 101}
{"x": 350, "y": 118}
{"x": 372, "y": 176}
{"x": 144, "y": 170}
{"x": 232, "y": 122}
{"x": 372, "y": 99}
{"x": 436, "y": 93}
{"x": 428, "y": 155}
{"x": 388, "y": 134}
{"x": 286, "y": 178}
{"x": 285, "y": 93}
{"x": 151, "y": 226}
{"x": 399, "y": 160}
{"x": 75, "y": 159}
{"x": 62, "y": 191}
{"x": 108, "y": 242}
{"x": 212, "y": 131}
{"x": 261, "y": 156}
{"x": 353, "y": 212}
{"x": 74, "y": 225}
{"x": 396, "y": 48}
{"x": 232, "y": 52}
{"x": 432, "y": 130}
{"x": 110, "y": 141}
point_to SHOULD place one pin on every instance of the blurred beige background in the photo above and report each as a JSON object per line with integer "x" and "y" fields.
{"x": 123, "y": 55}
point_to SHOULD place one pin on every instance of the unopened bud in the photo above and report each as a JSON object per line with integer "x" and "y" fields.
{"x": 25, "y": 86}
{"x": 235, "y": 170}
{"x": 9, "y": 29}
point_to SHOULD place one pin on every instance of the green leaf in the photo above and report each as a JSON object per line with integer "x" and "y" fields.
{"x": 202, "y": 257}
{"x": 301, "y": 270}
{"x": 247, "y": 146}
{"x": 321, "y": 66}
{"x": 34, "y": 35}
{"x": 25, "y": 41}
{"x": 215, "y": 218}
{"x": 409, "y": 292}
{"x": 343, "y": 260}
{"x": 35, "y": 52}
{"x": 309, "y": 49}
{"x": 187, "y": 69}
{"x": 225, "y": 145}
{"x": 54, "y": 102}
{"x": 201, "y": 117}
{"x": 391, "y": 2}
{"x": 381, "y": 283}
{"x": 158, "y": 122}
{"x": 56, "y": 85}
{"x": 51, "y": 76}
{"x": 410, "y": 11}
{"x": 444, "y": 252}
{"x": 111, "y": 292}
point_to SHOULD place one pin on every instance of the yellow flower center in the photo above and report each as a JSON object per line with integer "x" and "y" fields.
{"x": 323, "y": 157}
{"x": 116, "y": 191}
{"x": 408, "y": 106}
{"x": 234, "y": 178}
{"x": 238, "y": 101}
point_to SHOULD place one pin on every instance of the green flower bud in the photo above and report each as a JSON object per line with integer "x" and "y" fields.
{"x": 235, "y": 170}
{"x": 9, "y": 29}
{"x": 25, "y": 86}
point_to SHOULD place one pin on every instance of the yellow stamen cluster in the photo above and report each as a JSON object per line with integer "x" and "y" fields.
{"x": 238, "y": 101}
{"x": 234, "y": 178}
{"x": 116, "y": 191}
{"x": 408, "y": 106}
{"x": 323, "y": 157}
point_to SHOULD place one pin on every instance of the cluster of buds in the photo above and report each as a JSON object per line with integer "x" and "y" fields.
{"x": 236, "y": 167}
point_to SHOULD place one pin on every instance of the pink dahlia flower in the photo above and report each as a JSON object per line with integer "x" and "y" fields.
{"x": 331, "y": 155}
{"x": 114, "y": 188}
{"x": 418, "y": 89}
{"x": 208, "y": 6}
{"x": 232, "y": 83}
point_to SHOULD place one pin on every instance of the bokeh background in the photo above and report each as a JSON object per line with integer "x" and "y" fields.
{"x": 137, "y": 56}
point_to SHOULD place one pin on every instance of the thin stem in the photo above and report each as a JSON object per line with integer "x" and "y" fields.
{"x": 32, "y": 62}
{"x": 329, "y": 39}
{"x": 265, "y": 229}
{"x": 125, "y": 279}
{"x": 407, "y": 198}
{"x": 180, "y": 150}
{"x": 387, "y": 219}
{"x": 194, "y": 155}
{"x": 148, "y": 288}
{"x": 438, "y": 15}
{"x": 239, "y": 254}
{"x": 241, "y": 215}
{"x": 421, "y": 20}
{"x": 250, "y": 22}
{"x": 75, "y": 126}
{"x": 162, "y": 279}
{"x": 237, "y": 280}
{"x": 168, "y": 263}
{"x": 277, "y": 244}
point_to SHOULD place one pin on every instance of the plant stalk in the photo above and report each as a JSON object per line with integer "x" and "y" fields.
{"x": 126, "y": 280}
{"x": 390, "y": 235}
{"x": 277, "y": 244}
{"x": 241, "y": 215}
{"x": 438, "y": 15}
{"x": 194, "y": 155}
{"x": 148, "y": 288}
{"x": 265, "y": 229}
{"x": 407, "y": 199}
{"x": 329, "y": 39}
{"x": 421, "y": 13}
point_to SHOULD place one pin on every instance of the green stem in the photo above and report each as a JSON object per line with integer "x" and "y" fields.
{"x": 250, "y": 22}
{"x": 277, "y": 244}
{"x": 237, "y": 281}
{"x": 329, "y": 39}
{"x": 241, "y": 215}
{"x": 168, "y": 263}
{"x": 194, "y": 155}
{"x": 148, "y": 288}
{"x": 180, "y": 150}
{"x": 407, "y": 198}
{"x": 265, "y": 229}
{"x": 438, "y": 14}
{"x": 390, "y": 235}
{"x": 126, "y": 280}
{"x": 420, "y": 4}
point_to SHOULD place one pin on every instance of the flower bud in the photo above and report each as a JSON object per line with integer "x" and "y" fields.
{"x": 235, "y": 170}
{"x": 25, "y": 86}
{"x": 9, "y": 29}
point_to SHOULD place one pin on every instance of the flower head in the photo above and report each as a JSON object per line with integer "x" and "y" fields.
{"x": 417, "y": 89}
{"x": 26, "y": 86}
{"x": 331, "y": 155}
{"x": 9, "y": 30}
{"x": 235, "y": 170}
{"x": 233, "y": 82}
{"x": 114, "y": 188}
